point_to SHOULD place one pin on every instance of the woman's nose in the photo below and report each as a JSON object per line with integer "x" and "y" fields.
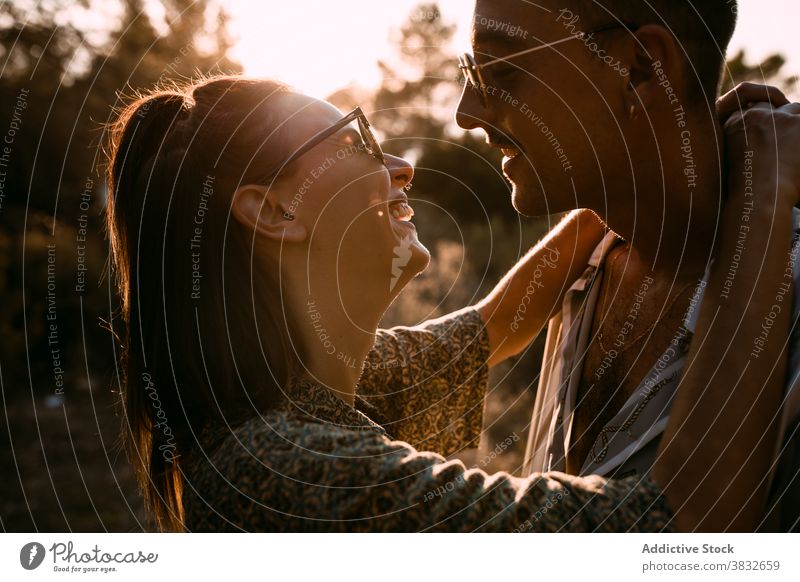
{"x": 400, "y": 171}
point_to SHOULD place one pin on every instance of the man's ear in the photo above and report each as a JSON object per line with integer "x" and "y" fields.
{"x": 656, "y": 67}
{"x": 264, "y": 213}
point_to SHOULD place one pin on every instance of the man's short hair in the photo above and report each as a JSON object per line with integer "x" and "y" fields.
{"x": 703, "y": 29}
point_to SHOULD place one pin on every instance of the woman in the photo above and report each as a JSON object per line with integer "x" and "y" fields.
{"x": 258, "y": 237}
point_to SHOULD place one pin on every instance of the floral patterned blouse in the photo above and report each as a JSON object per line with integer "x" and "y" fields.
{"x": 315, "y": 463}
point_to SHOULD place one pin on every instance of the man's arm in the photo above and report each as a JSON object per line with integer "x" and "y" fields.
{"x": 718, "y": 447}
{"x": 531, "y": 293}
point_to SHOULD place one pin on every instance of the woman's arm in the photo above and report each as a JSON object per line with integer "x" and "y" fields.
{"x": 718, "y": 448}
{"x": 426, "y": 383}
{"x": 316, "y": 477}
{"x": 531, "y": 293}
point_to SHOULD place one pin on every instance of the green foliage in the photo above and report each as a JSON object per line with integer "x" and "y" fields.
{"x": 71, "y": 79}
{"x": 456, "y": 172}
{"x": 57, "y": 148}
{"x": 417, "y": 94}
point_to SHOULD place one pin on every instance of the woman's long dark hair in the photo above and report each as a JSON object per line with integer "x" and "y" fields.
{"x": 206, "y": 338}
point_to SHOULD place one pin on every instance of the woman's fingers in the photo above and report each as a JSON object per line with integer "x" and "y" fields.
{"x": 745, "y": 95}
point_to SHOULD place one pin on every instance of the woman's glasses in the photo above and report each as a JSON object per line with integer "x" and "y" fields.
{"x": 369, "y": 142}
{"x": 474, "y": 73}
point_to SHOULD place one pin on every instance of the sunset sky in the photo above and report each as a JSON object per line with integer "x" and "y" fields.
{"x": 319, "y": 45}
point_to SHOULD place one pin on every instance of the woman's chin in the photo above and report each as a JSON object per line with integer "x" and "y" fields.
{"x": 421, "y": 258}
{"x": 410, "y": 258}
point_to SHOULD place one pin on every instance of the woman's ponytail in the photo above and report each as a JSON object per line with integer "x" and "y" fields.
{"x": 136, "y": 138}
{"x": 189, "y": 350}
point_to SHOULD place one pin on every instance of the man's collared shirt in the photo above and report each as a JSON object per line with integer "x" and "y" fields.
{"x": 628, "y": 443}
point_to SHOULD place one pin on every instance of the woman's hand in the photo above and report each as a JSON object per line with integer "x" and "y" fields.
{"x": 531, "y": 293}
{"x": 759, "y": 120}
{"x": 744, "y": 96}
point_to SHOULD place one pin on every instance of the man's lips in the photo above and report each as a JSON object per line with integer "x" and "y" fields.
{"x": 510, "y": 150}
{"x": 511, "y": 153}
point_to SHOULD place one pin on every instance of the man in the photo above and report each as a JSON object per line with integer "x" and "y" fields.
{"x": 614, "y": 111}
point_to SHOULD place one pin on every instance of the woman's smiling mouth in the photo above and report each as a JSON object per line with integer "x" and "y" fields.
{"x": 401, "y": 210}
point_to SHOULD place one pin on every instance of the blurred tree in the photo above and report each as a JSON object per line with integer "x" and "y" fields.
{"x": 62, "y": 75}
{"x": 457, "y": 179}
{"x": 73, "y": 78}
{"x": 418, "y": 91}
{"x": 768, "y": 71}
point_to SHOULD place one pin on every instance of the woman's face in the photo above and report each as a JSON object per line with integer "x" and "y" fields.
{"x": 353, "y": 209}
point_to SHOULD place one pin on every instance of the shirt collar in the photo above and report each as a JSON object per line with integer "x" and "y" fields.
{"x": 603, "y": 248}
{"x": 610, "y": 240}
{"x": 693, "y": 312}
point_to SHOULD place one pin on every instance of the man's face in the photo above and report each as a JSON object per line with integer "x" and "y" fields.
{"x": 552, "y": 110}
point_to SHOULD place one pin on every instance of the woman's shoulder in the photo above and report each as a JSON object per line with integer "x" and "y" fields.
{"x": 278, "y": 464}
{"x": 220, "y": 443}
{"x": 283, "y": 442}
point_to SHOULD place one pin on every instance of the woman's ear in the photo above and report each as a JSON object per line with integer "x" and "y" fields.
{"x": 263, "y": 212}
{"x": 656, "y": 67}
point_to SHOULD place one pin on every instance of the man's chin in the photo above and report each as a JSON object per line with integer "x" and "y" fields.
{"x": 534, "y": 202}
{"x": 528, "y": 201}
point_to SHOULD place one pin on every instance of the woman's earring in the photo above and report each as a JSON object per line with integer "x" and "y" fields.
{"x": 632, "y": 113}
{"x": 288, "y": 216}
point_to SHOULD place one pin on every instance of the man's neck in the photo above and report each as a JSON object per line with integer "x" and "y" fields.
{"x": 680, "y": 253}
{"x": 673, "y": 235}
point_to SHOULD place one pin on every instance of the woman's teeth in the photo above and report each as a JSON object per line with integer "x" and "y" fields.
{"x": 401, "y": 211}
{"x": 509, "y": 152}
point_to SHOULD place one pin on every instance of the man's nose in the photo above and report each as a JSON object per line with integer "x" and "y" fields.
{"x": 471, "y": 114}
{"x": 400, "y": 171}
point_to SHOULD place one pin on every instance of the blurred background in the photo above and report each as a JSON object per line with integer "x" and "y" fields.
{"x": 65, "y": 66}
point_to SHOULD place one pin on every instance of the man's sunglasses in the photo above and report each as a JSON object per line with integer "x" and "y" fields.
{"x": 473, "y": 72}
{"x": 369, "y": 143}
